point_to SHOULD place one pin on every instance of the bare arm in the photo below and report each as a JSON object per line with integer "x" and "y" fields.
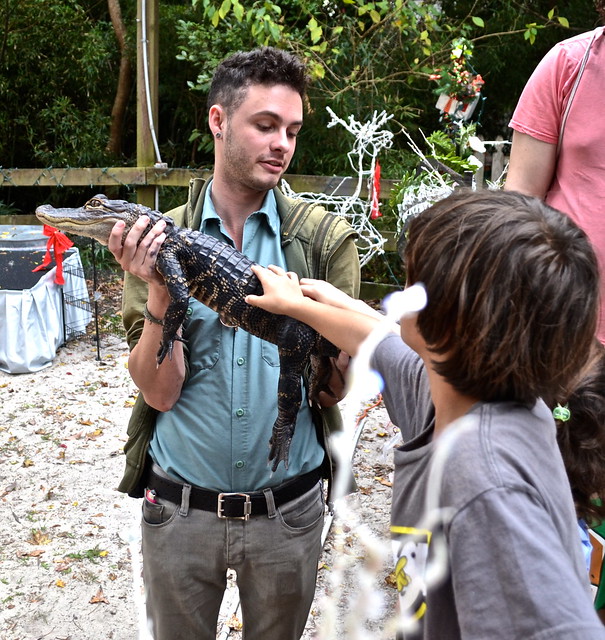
{"x": 160, "y": 386}
{"x": 532, "y": 165}
{"x": 333, "y": 314}
{"x": 324, "y": 292}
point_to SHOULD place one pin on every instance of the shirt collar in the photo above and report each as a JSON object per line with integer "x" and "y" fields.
{"x": 268, "y": 210}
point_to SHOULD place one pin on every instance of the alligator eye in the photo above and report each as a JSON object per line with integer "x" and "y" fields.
{"x": 96, "y": 202}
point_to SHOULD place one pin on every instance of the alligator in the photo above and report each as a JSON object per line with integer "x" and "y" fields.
{"x": 194, "y": 264}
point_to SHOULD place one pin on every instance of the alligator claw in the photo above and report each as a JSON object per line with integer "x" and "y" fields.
{"x": 166, "y": 349}
{"x": 280, "y": 447}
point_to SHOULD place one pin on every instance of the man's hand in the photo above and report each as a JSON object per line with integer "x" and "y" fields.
{"x": 337, "y": 381}
{"x": 138, "y": 255}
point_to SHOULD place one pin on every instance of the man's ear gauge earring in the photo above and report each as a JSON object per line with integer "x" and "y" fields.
{"x": 218, "y": 134}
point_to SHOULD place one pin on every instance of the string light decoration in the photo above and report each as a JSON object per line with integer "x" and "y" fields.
{"x": 371, "y": 138}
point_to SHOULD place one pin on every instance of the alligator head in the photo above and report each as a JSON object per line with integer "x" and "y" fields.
{"x": 97, "y": 217}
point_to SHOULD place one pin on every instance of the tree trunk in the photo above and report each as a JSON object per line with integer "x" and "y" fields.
{"x": 114, "y": 146}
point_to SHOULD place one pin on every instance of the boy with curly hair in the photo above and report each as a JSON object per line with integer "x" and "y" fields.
{"x": 512, "y": 288}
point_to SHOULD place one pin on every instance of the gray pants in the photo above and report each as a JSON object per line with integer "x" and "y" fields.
{"x": 186, "y": 553}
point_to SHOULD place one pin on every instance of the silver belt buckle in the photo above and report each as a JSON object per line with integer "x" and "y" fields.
{"x": 247, "y": 506}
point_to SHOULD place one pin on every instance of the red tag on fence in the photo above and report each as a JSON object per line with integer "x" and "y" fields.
{"x": 375, "y": 206}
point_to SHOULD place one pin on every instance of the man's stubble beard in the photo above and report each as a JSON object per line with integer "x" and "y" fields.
{"x": 240, "y": 167}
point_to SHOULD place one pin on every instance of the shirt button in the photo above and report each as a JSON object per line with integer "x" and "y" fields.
{"x": 240, "y": 464}
{"x": 189, "y": 311}
{"x": 241, "y": 361}
{"x": 239, "y": 413}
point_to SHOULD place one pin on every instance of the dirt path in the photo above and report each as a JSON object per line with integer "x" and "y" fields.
{"x": 69, "y": 555}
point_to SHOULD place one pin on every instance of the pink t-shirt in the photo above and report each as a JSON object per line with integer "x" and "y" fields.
{"x": 578, "y": 186}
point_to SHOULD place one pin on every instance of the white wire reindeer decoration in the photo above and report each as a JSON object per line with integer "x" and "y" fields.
{"x": 433, "y": 187}
{"x": 370, "y": 138}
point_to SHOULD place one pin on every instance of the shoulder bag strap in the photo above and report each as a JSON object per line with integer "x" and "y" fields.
{"x": 573, "y": 91}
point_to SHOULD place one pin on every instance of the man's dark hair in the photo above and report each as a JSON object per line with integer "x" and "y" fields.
{"x": 600, "y": 7}
{"x": 265, "y": 65}
{"x": 513, "y": 291}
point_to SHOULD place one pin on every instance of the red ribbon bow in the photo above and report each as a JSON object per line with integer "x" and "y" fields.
{"x": 375, "y": 207}
{"x": 58, "y": 242}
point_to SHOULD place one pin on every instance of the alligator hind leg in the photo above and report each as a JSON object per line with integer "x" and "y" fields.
{"x": 292, "y": 360}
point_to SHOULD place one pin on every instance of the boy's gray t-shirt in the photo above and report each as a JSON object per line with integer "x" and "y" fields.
{"x": 497, "y": 554}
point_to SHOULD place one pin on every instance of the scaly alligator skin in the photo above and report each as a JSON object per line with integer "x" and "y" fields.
{"x": 197, "y": 265}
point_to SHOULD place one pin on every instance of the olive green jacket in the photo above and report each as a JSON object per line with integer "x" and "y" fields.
{"x": 316, "y": 244}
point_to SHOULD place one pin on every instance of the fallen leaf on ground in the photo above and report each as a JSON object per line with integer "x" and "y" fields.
{"x": 36, "y": 553}
{"x": 39, "y": 537}
{"x": 384, "y": 481}
{"x": 64, "y": 566}
{"x": 99, "y": 597}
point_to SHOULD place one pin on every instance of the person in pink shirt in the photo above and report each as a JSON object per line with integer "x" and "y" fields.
{"x": 558, "y": 149}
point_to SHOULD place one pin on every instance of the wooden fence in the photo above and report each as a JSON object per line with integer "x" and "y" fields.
{"x": 146, "y": 177}
{"x": 496, "y": 160}
{"x": 162, "y": 177}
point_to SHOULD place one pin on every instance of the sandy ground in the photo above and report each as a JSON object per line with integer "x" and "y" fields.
{"x": 69, "y": 542}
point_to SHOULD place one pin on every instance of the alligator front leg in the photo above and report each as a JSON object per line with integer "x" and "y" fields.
{"x": 169, "y": 267}
{"x": 175, "y": 314}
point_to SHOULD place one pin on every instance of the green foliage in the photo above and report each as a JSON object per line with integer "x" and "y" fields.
{"x": 455, "y": 147}
{"x": 505, "y": 56}
{"x": 59, "y": 68}
{"x": 443, "y": 152}
{"x": 386, "y": 268}
{"x": 8, "y": 209}
{"x": 373, "y": 56}
{"x": 88, "y": 554}
{"x": 56, "y": 81}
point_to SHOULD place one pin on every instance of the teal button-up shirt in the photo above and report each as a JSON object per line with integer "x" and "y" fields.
{"x": 217, "y": 434}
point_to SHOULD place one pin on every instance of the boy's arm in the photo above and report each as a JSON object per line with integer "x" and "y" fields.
{"x": 324, "y": 292}
{"x": 343, "y": 325}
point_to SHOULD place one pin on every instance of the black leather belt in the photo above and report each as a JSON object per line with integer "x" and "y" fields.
{"x": 232, "y": 505}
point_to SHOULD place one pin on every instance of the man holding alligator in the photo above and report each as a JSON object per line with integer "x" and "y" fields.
{"x": 199, "y": 432}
